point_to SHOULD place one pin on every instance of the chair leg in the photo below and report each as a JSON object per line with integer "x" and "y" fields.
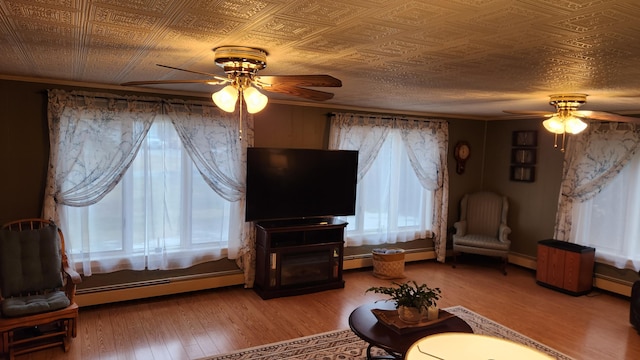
{"x": 5, "y": 342}
{"x": 454, "y": 260}
{"x": 504, "y": 266}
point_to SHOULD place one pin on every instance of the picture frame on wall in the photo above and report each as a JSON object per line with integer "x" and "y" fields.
{"x": 525, "y": 173}
{"x": 527, "y": 138}
{"x": 523, "y": 156}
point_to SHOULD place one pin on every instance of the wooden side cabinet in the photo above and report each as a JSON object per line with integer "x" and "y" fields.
{"x": 566, "y": 267}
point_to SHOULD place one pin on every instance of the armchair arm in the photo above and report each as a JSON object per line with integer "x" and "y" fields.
{"x": 503, "y": 233}
{"x": 72, "y": 275}
{"x": 461, "y": 227}
{"x": 71, "y": 279}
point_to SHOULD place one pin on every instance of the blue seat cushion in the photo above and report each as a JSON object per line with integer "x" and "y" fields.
{"x": 30, "y": 261}
{"x": 34, "y": 304}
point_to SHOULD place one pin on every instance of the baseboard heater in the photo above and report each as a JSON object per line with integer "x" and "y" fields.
{"x": 159, "y": 287}
{"x": 153, "y": 288}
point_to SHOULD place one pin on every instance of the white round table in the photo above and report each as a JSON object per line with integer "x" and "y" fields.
{"x": 461, "y": 346}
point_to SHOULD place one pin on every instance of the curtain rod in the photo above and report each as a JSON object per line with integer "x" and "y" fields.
{"x": 391, "y": 117}
{"x": 118, "y": 97}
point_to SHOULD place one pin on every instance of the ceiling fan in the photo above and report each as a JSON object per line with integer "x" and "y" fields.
{"x": 241, "y": 66}
{"x": 567, "y": 119}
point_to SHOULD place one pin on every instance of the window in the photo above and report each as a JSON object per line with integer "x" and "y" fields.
{"x": 161, "y": 214}
{"x": 609, "y": 221}
{"x": 392, "y": 206}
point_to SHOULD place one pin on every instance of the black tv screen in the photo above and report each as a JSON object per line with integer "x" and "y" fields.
{"x": 300, "y": 183}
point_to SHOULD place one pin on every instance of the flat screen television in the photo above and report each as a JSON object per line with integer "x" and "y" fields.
{"x": 300, "y": 183}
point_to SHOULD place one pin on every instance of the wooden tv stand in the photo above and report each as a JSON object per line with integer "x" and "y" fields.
{"x": 298, "y": 256}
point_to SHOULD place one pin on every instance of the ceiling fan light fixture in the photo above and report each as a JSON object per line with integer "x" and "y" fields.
{"x": 554, "y": 125}
{"x": 255, "y": 100}
{"x": 226, "y": 98}
{"x": 574, "y": 125}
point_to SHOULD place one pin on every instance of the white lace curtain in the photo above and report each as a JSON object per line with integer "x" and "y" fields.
{"x": 220, "y": 155}
{"x": 218, "y": 152}
{"x": 592, "y": 159}
{"x": 88, "y": 158}
{"x": 426, "y": 143}
{"x": 86, "y": 161}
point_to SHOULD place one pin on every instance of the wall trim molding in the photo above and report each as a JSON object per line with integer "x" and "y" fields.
{"x": 601, "y": 282}
{"x": 176, "y": 286}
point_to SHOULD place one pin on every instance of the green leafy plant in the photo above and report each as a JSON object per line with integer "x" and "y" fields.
{"x": 409, "y": 294}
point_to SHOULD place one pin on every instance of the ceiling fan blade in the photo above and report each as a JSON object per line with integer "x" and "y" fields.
{"x": 153, "y": 82}
{"x": 531, "y": 113}
{"x": 300, "y": 92}
{"x": 220, "y": 78}
{"x": 606, "y": 116}
{"x": 299, "y": 80}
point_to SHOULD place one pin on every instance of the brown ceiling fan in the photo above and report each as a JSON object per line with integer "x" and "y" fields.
{"x": 568, "y": 104}
{"x": 241, "y": 66}
{"x": 568, "y": 119}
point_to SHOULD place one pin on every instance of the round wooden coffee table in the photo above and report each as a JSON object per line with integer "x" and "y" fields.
{"x": 364, "y": 324}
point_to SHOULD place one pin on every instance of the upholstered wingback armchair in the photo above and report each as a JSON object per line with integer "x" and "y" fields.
{"x": 482, "y": 228}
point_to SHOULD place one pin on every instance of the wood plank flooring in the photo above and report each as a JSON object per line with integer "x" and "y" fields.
{"x": 189, "y": 326}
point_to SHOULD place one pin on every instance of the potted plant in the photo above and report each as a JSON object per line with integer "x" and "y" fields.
{"x": 413, "y": 301}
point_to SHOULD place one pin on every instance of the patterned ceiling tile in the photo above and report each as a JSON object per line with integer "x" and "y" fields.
{"x": 588, "y": 22}
{"x": 417, "y": 55}
{"x": 60, "y": 12}
{"x": 139, "y": 20}
{"x": 157, "y": 6}
{"x": 204, "y": 24}
{"x": 415, "y": 13}
{"x": 394, "y": 48}
{"x": 360, "y": 57}
{"x": 43, "y": 28}
{"x": 366, "y": 32}
{"x": 509, "y": 17}
{"x": 273, "y": 44}
{"x": 573, "y": 5}
{"x": 107, "y": 34}
{"x": 323, "y": 11}
{"x": 286, "y": 28}
{"x": 245, "y": 9}
{"x": 325, "y": 45}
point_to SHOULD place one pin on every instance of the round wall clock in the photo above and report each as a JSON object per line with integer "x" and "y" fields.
{"x": 461, "y": 152}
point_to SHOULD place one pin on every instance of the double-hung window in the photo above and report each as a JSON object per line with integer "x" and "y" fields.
{"x": 140, "y": 183}
{"x": 392, "y": 206}
{"x": 402, "y": 180}
{"x": 161, "y": 215}
{"x": 609, "y": 220}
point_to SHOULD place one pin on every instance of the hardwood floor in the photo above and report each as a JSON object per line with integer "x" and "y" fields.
{"x": 189, "y": 326}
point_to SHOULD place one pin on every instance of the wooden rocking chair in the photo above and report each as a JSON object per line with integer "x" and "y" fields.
{"x": 37, "y": 288}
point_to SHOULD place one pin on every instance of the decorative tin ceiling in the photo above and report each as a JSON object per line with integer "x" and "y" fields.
{"x": 460, "y": 57}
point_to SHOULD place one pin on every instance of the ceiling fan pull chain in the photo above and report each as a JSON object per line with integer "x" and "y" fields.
{"x": 240, "y": 111}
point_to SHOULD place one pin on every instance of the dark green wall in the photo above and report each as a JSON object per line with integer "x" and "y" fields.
{"x": 24, "y": 156}
{"x": 24, "y": 149}
{"x": 532, "y": 205}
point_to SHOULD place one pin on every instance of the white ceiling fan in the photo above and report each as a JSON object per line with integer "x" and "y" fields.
{"x": 568, "y": 119}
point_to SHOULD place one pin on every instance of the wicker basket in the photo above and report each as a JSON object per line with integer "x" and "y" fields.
{"x": 388, "y": 265}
